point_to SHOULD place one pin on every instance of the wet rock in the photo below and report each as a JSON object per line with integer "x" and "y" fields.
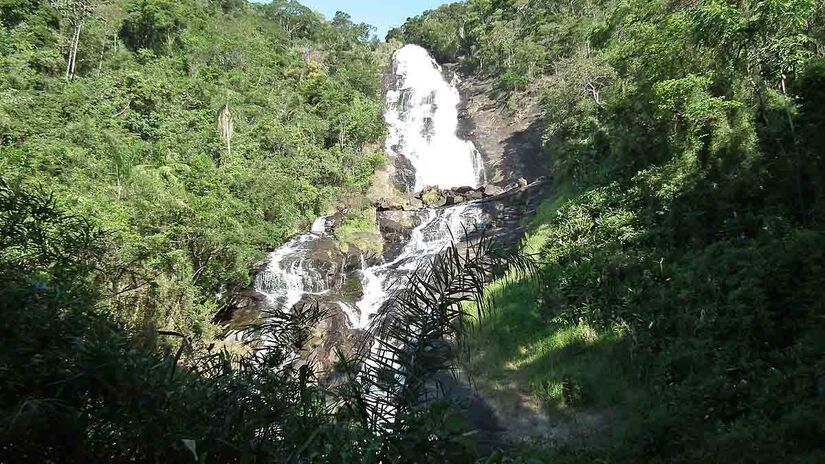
{"x": 353, "y": 259}
{"x": 455, "y": 200}
{"x": 247, "y": 297}
{"x": 463, "y": 189}
{"x": 332, "y": 333}
{"x": 389, "y": 204}
{"x": 336, "y": 219}
{"x": 428, "y": 190}
{"x": 244, "y": 306}
{"x": 434, "y": 198}
{"x": 522, "y": 182}
{"x": 404, "y": 179}
{"x": 395, "y": 227}
{"x": 352, "y": 290}
{"x": 413, "y": 204}
{"x": 475, "y": 195}
{"x": 492, "y": 190}
{"x": 395, "y": 221}
{"x": 325, "y": 254}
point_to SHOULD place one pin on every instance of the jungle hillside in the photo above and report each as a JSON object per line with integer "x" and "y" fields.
{"x": 667, "y": 299}
{"x": 680, "y": 299}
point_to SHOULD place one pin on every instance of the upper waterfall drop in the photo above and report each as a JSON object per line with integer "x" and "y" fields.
{"x": 422, "y": 115}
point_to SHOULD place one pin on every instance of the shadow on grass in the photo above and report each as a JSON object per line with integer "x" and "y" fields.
{"x": 547, "y": 379}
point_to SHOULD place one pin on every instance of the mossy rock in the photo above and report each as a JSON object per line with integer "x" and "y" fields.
{"x": 433, "y": 198}
{"x": 360, "y": 229}
{"x": 352, "y": 289}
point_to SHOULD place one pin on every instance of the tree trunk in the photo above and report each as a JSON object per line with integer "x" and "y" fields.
{"x": 72, "y": 53}
{"x": 226, "y": 128}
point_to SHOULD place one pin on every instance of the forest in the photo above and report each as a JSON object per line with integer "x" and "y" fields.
{"x": 681, "y": 253}
{"x": 152, "y": 150}
{"x": 127, "y": 135}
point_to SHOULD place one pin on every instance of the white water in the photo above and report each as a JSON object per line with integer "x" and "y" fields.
{"x": 437, "y": 230}
{"x": 422, "y": 115}
{"x": 289, "y": 274}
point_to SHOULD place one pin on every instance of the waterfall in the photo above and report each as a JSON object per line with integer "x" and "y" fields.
{"x": 422, "y": 116}
{"x": 289, "y": 273}
{"x": 437, "y": 230}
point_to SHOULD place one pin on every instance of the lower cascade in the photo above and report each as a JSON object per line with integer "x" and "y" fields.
{"x": 437, "y": 229}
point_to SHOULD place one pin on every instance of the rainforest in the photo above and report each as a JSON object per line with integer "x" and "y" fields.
{"x": 509, "y": 231}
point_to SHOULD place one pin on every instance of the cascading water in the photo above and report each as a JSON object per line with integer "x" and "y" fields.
{"x": 422, "y": 115}
{"x": 289, "y": 273}
{"x": 438, "y": 229}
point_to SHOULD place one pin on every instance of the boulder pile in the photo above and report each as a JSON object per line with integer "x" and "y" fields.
{"x": 436, "y": 198}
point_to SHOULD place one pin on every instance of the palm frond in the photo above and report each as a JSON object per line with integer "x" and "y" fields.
{"x": 416, "y": 334}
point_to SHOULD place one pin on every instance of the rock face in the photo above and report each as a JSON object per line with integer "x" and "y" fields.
{"x": 413, "y": 204}
{"x": 330, "y": 334}
{"x": 396, "y": 227}
{"x": 433, "y": 197}
{"x": 245, "y": 306}
{"x": 389, "y": 204}
{"x": 492, "y": 190}
{"x": 325, "y": 257}
{"x": 509, "y": 140}
{"x": 404, "y": 174}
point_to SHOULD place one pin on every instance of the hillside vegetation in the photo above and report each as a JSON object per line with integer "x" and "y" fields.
{"x": 152, "y": 150}
{"x": 682, "y": 286}
{"x": 197, "y": 134}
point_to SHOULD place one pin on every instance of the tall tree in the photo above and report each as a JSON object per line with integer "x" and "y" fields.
{"x": 75, "y": 12}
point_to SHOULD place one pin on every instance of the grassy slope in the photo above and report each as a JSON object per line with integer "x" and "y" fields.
{"x": 575, "y": 380}
{"x": 690, "y": 136}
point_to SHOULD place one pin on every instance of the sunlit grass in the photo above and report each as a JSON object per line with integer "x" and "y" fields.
{"x": 519, "y": 344}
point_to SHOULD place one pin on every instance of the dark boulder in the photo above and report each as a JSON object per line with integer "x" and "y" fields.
{"x": 389, "y": 204}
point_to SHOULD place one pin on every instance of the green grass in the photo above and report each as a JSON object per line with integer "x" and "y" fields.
{"x": 540, "y": 224}
{"x": 520, "y": 349}
{"x": 567, "y": 366}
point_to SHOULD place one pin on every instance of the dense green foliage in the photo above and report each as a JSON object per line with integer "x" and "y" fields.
{"x": 152, "y": 149}
{"x": 75, "y": 385}
{"x": 77, "y": 388}
{"x": 686, "y": 145}
{"x": 132, "y": 142}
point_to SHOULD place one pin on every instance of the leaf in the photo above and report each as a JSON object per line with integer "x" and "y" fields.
{"x": 191, "y": 446}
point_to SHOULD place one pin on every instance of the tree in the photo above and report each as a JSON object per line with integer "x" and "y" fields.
{"x": 76, "y": 12}
{"x": 296, "y": 19}
{"x": 226, "y": 128}
{"x": 153, "y": 24}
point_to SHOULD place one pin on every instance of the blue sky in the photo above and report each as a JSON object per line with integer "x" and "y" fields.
{"x": 383, "y": 14}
